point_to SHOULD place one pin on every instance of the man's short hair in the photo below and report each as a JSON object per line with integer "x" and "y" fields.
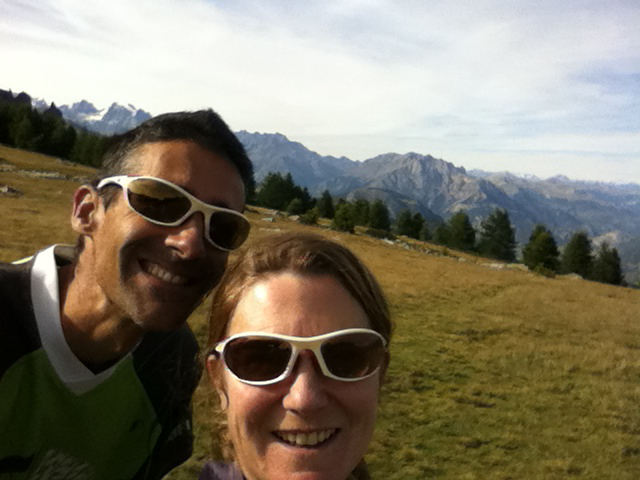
{"x": 204, "y": 127}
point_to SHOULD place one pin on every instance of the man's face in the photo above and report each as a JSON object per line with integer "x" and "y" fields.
{"x": 156, "y": 275}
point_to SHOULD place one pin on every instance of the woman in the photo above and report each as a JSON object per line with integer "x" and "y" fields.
{"x": 299, "y": 335}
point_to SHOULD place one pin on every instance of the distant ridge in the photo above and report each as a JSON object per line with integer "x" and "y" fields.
{"x": 113, "y": 120}
{"x": 434, "y": 187}
{"x": 437, "y": 189}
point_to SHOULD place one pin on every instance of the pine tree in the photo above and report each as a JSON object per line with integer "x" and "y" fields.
{"x": 88, "y": 149}
{"x": 425, "y": 233}
{"x": 343, "y": 218}
{"x": 379, "y": 216}
{"x": 94, "y": 149}
{"x": 361, "y": 209}
{"x": 418, "y": 223}
{"x": 100, "y": 146}
{"x": 6, "y": 115}
{"x": 308, "y": 202}
{"x": 541, "y": 250}
{"x": 442, "y": 235}
{"x": 404, "y": 224}
{"x": 80, "y": 147}
{"x": 61, "y": 140}
{"x": 53, "y": 111}
{"x": 276, "y": 191}
{"x": 288, "y": 191}
{"x": 24, "y": 99}
{"x": 409, "y": 225}
{"x": 462, "y": 235}
{"x": 324, "y": 205}
{"x": 577, "y": 256}
{"x": 23, "y": 133}
{"x": 606, "y": 266}
{"x": 497, "y": 237}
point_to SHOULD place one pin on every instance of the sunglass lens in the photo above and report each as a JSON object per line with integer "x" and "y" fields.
{"x": 257, "y": 359}
{"x": 227, "y": 230}
{"x": 157, "y": 201}
{"x": 353, "y": 355}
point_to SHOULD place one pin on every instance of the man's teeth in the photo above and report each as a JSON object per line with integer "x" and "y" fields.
{"x": 306, "y": 439}
{"x": 164, "y": 275}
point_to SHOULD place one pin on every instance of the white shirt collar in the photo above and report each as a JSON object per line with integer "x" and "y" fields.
{"x": 46, "y": 305}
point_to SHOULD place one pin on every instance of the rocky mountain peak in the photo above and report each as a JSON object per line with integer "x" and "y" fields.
{"x": 116, "y": 119}
{"x": 83, "y": 107}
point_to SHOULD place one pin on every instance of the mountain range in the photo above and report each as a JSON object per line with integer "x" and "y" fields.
{"x": 434, "y": 187}
{"x": 437, "y": 189}
{"x": 107, "y": 121}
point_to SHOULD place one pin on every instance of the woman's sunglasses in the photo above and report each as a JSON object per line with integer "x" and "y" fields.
{"x": 164, "y": 203}
{"x": 259, "y": 358}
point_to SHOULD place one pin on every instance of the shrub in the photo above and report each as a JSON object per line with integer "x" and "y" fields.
{"x": 309, "y": 218}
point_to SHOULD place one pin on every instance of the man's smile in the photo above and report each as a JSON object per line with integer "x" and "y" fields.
{"x": 161, "y": 273}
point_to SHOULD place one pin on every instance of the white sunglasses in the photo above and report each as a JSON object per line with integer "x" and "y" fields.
{"x": 164, "y": 203}
{"x": 259, "y": 358}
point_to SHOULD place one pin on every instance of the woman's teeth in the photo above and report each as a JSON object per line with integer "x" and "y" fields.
{"x": 306, "y": 439}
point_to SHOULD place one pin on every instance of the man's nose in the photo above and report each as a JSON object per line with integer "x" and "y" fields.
{"x": 188, "y": 238}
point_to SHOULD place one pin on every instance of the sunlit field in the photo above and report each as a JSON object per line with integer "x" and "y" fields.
{"x": 496, "y": 373}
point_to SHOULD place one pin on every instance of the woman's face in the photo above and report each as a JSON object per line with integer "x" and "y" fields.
{"x": 307, "y": 426}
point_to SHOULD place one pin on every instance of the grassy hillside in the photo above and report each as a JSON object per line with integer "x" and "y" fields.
{"x": 496, "y": 373}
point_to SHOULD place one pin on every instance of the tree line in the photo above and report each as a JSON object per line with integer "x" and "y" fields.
{"x": 22, "y": 126}
{"x": 495, "y": 237}
{"x": 278, "y": 191}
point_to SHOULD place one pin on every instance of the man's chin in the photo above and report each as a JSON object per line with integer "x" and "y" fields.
{"x": 165, "y": 316}
{"x": 161, "y": 307}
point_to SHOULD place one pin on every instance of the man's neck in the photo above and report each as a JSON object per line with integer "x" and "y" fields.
{"x": 95, "y": 329}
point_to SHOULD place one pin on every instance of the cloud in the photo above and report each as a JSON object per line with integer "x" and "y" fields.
{"x": 353, "y": 78}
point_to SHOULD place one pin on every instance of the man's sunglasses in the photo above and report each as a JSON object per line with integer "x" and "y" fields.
{"x": 259, "y": 358}
{"x": 164, "y": 203}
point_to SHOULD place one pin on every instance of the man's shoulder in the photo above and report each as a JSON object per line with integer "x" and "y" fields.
{"x": 18, "y": 270}
{"x": 17, "y": 320}
{"x": 15, "y": 290}
{"x": 16, "y": 281}
{"x": 21, "y": 268}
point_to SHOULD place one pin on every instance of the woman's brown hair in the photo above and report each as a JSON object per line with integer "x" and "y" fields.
{"x": 301, "y": 253}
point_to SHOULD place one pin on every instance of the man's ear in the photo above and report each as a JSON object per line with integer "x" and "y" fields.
{"x": 85, "y": 206}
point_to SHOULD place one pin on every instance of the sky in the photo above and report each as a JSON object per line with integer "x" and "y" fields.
{"x": 538, "y": 87}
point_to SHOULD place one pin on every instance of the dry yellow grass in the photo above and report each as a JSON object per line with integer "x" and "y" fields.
{"x": 40, "y": 215}
{"x": 495, "y": 374}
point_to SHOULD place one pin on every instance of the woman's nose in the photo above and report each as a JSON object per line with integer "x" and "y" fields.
{"x": 308, "y": 385}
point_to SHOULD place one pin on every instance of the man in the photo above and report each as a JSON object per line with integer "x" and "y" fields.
{"x": 97, "y": 364}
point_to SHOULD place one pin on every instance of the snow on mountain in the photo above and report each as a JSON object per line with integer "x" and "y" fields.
{"x": 107, "y": 121}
